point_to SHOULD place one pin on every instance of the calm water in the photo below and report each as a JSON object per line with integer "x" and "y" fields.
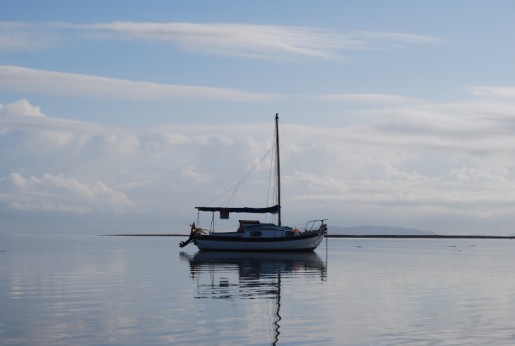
{"x": 90, "y": 290}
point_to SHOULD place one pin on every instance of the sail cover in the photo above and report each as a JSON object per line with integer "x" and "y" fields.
{"x": 268, "y": 210}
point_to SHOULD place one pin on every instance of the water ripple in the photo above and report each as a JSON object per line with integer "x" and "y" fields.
{"x": 67, "y": 290}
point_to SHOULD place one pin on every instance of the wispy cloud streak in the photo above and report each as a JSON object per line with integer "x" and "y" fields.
{"x": 252, "y": 41}
{"x": 23, "y": 37}
{"x": 86, "y": 86}
{"x": 270, "y": 42}
{"x": 80, "y": 85}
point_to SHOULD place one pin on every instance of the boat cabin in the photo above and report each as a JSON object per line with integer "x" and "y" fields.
{"x": 243, "y": 223}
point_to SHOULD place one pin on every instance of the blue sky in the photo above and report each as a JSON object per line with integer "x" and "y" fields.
{"x": 124, "y": 115}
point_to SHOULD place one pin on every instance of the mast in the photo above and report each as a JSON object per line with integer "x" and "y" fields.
{"x": 278, "y": 164}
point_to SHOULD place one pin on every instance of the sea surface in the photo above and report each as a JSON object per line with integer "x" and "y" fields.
{"x": 96, "y": 290}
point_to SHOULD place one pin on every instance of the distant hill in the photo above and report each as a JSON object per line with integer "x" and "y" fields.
{"x": 377, "y": 230}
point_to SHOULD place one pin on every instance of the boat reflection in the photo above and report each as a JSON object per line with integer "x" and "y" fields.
{"x": 238, "y": 275}
{"x": 249, "y": 275}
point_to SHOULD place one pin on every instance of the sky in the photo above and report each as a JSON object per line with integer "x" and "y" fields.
{"x": 122, "y": 116}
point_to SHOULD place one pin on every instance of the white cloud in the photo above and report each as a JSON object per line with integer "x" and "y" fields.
{"x": 254, "y": 41}
{"x": 414, "y": 160}
{"x": 125, "y": 144}
{"x": 399, "y": 37}
{"x": 503, "y": 92}
{"x": 46, "y": 133}
{"x": 467, "y": 174}
{"x": 243, "y": 40}
{"x": 56, "y": 192}
{"x": 85, "y": 86}
{"x": 470, "y": 192}
{"x": 477, "y": 127}
{"x": 20, "y": 108}
{"x": 79, "y": 85}
{"x": 190, "y": 171}
{"x": 368, "y": 98}
{"x": 258, "y": 41}
{"x": 22, "y": 37}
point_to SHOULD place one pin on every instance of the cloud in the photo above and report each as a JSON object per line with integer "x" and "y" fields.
{"x": 480, "y": 127}
{"x": 22, "y": 37}
{"x": 251, "y": 41}
{"x": 20, "y": 108}
{"x": 502, "y": 92}
{"x": 79, "y": 85}
{"x": 397, "y": 37}
{"x": 271, "y": 42}
{"x": 471, "y": 192}
{"x": 56, "y": 192}
{"x": 85, "y": 86}
{"x": 367, "y": 98}
{"x": 416, "y": 160}
{"x": 257, "y": 41}
{"x": 44, "y": 132}
{"x": 189, "y": 171}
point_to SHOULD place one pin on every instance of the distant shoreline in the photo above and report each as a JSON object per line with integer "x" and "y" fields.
{"x": 414, "y": 236}
{"x": 424, "y": 236}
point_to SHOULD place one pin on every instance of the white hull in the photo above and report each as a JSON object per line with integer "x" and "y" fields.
{"x": 298, "y": 243}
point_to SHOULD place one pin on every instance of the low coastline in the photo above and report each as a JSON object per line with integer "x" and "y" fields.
{"x": 407, "y": 236}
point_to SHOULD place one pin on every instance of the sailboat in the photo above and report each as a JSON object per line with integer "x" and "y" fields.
{"x": 252, "y": 235}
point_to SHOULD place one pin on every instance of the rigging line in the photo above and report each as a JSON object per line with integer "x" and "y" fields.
{"x": 301, "y": 179}
{"x": 239, "y": 183}
{"x": 231, "y": 200}
{"x": 270, "y": 172}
